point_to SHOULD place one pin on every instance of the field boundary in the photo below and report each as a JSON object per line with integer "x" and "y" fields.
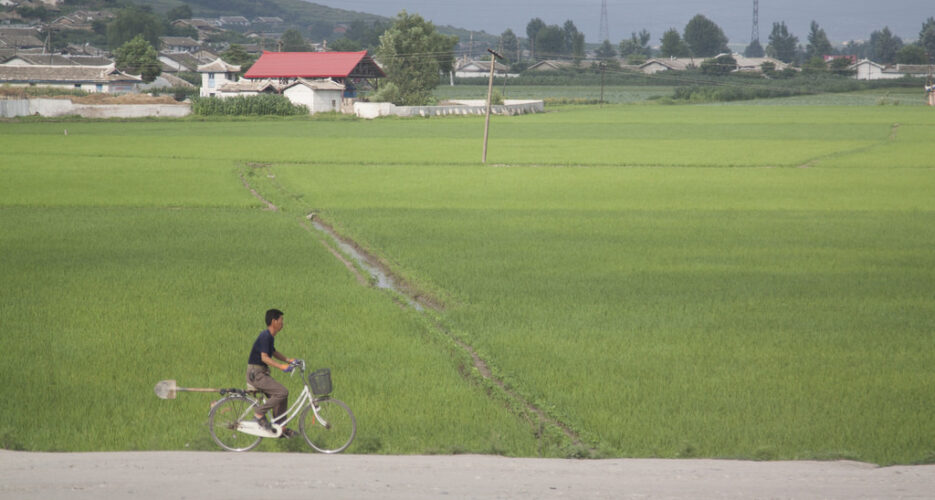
{"x": 863, "y": 149}
{"x": 415, "y": 299}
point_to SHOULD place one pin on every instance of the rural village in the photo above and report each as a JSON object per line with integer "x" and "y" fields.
{"x": 319, "y": 78}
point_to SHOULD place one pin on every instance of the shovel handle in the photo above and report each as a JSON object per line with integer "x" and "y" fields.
{"x": 196, "y": 389}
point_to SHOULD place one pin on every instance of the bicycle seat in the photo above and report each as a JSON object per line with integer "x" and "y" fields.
{"x": 250, "y": 388}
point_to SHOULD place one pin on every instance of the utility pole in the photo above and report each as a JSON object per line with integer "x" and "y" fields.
{"x": 493, "y": 61}
{"x": 602, "y": 66}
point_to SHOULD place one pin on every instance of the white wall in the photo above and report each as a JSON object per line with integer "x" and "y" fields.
{"x": 372, "y": 110}
{"x": 63, "y": 107}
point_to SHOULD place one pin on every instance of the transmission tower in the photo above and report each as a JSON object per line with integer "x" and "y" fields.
{"x": 604, "y": 33}
{"x": 755, "y": 34}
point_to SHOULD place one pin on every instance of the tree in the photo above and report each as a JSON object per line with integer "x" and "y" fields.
{"x": 577, "y": 48}
{"x": 235, "y": 54}
{"x": 927, "y": 37}
{"x": 818, "y": 44}
{"x": 570, "y": 32}
{"x": 550, "y": 41}
{"x": 131, "y": 22}
{"x": 782, "y": 44}
{"x": 344, "y": 45}
{"x": 509, "y": 44}
{"x": 637, "y": 45}
{"x": 841, "y": 66}
{"x": 532, "y": 29}
{"x": 704, "y": 38}
{"x": 180, "y": 12}
{"x": 37, "y": 12}
{"x": 912, "y": 54}
{"x": 768, "y": 68}
{"x": 292, "y": 41}
{"x": 722, "y": 65}
{"x": 754, "y": 50}
{"x": 815, "y": 65}
{"x": 884, "y": 46}
{"x": 606, "y": 51}
{"x": 413, "y": 55}
{"x": 138, "y": 57}
{"x": 673, "y": 45}
{"x": 365, "y": 35}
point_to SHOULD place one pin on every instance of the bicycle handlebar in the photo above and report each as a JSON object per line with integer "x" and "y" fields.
{"x": 298, "y": 363}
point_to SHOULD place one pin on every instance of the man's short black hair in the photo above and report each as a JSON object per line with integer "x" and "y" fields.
{"x": 273, "y": 314}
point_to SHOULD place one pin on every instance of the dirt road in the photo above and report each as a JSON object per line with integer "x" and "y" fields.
{"x": 159, "y": 475}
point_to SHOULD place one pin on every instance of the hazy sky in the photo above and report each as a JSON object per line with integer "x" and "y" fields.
{"x": 842, "y": 20}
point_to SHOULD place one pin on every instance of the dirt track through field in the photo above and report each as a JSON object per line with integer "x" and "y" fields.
{"x": 350, "y": 252}
{"x": 170, "y": 475}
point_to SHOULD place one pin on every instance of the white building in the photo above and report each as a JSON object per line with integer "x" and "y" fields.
{"x": 319, "y": 96}
{"x": 215, "y": 75}
{"x": 869, "y": 70}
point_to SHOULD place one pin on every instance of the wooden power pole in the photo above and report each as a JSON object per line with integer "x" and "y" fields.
{"x": 493, "y": 61}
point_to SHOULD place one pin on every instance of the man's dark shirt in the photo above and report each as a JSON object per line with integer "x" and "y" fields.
{"x": 264, "y": 343}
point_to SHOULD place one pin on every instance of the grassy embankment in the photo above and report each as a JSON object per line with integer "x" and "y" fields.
{"x": 689, "y": 292}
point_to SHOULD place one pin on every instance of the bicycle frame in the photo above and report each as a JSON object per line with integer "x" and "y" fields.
{"x": 305, "y": 398}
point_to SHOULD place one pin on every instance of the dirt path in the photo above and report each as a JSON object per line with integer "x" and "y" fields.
{"x": 152, "y": 475}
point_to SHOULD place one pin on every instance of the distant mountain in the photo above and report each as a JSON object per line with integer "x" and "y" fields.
{"x": 297, "y": 12}
{"x": 308, "y": 17}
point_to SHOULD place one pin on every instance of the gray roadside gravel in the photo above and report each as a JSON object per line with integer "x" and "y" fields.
{"x": 192, "y": 475}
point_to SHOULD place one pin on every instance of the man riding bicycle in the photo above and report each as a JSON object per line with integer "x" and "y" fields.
{"x": 261, "y": 359}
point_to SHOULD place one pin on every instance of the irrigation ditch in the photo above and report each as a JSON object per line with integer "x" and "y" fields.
{"x": 372, "y": 271}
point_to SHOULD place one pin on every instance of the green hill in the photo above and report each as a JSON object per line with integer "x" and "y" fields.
{"x": 306, "y": 16}
{"x": 296, "y": 12}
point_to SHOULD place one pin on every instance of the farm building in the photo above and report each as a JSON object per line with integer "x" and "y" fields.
{"x": 657, "y": 65}
{"x": 747, "y": 64}
{"x": 549, "y": 65}
{"x": 322, "y": 81}
{"x": 865, "y": 69}
{"x": 179, "y": 44}
{"x": 87, "y": 78}
{"x": 468, "y": 68}
{"x": 348, "y": 68}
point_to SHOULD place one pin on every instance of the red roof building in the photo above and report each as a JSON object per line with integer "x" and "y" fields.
{"x": 339, "y": 66}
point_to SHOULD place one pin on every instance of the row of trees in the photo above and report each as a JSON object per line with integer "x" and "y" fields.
{"x": 703, "y": 38}
{"x": 883, "y": 46}
{"x": 552, "y": 40}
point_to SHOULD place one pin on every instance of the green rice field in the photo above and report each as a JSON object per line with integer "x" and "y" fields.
{"x": 735, "y": 281}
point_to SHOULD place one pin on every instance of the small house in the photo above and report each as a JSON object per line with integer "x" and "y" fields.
{"x": 317, "y": 95}
{"x": 471, "y": 68}
{"x": 86, "y": 78}
{"x": 215, "y": 75}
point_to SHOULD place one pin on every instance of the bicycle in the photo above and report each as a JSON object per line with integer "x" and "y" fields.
{"x": 327, "y": 424}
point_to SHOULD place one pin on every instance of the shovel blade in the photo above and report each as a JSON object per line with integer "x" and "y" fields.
{"x": 165, "y": 389}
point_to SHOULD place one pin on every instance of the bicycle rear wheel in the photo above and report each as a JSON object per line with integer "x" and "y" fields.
{"x": 336, "y": 429}
{"x": 225, "y": 418}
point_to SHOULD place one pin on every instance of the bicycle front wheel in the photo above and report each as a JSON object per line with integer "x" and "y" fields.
{"x": 333, "y": 431}
{"x": 225, "y": 419}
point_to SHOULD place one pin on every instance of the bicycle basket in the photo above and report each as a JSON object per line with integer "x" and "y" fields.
{"x": 320, "y": 382}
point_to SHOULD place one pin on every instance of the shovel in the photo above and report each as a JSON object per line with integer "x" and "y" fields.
{"x": 167, "y": 389}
